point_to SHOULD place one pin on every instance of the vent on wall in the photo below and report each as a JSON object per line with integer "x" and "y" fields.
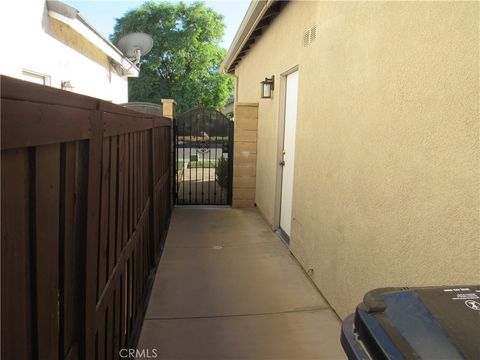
{"x": 313, "y": 33}
{"x": 309, "y": 35}
{"x": 306, "y": 38}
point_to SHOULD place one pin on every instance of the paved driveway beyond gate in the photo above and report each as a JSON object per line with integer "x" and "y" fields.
{"x": 227, "y": 288}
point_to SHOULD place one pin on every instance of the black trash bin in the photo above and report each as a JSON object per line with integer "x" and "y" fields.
{"x": 431, "y": 323}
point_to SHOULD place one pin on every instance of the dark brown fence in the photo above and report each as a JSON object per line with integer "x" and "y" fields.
{"x": 86, "y": 201}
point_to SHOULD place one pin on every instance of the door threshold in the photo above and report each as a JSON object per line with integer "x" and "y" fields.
{"x": 283, "y": 236}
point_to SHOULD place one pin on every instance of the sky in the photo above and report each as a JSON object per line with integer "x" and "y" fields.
{"x": 102, "y": 13}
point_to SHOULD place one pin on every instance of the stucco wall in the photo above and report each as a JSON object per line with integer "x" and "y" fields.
{"x": 36, "y": 42}
{"x": 386, "y": 186}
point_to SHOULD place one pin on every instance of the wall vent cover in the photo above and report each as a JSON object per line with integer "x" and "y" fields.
{"x": 313, "y": 33}
{"x": 309, "y": 35}
{"x": 306, "y": 38}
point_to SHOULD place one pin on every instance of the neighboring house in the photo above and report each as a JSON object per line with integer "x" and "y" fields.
{"x": 52, "y": 44}
{"x": 228, "y": 108}
{"x": 376, "y": 107}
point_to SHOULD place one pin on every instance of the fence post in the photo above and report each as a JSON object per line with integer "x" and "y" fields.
{"x": 169, "y": 111}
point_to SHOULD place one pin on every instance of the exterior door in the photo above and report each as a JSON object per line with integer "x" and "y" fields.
{"x": 291, "y": 97}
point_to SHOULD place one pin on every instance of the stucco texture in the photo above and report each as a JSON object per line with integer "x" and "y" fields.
{"x": 386, "y": 185}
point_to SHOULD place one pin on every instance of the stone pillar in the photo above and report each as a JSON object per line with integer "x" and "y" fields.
{"x": 245, "y": 155}
{"x": 169, "y": 110}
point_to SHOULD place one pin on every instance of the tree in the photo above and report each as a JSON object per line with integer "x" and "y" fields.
{"x": 185, "y": 57}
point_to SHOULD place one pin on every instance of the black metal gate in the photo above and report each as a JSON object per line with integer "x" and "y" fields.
{"x": 204, "y": 158}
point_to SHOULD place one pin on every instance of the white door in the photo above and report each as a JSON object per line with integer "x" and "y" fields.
{"x": 289, "y": 151}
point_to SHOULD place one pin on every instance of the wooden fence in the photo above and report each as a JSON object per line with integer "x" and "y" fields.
{"x": 86, "y": 199}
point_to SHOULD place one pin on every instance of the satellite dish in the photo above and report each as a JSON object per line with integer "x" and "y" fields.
{"x": 135, "y": 45}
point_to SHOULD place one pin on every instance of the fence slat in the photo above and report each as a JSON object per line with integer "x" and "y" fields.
{"x": 151, "y": 194}
{"x": 131, "y": 184}
{"x": 117, "y": 310}
{"x": 16, "y": 256}
{"x": 126, "y": 191}
{"x": 110, "y": 328}
{"x": 112, "y": 229}
{"x": 123, "y": 307}
{"x": 93, "y": 210}
{"x": 103, "y": 236}
{"x": 47, "y": 193}
{"x": 29, "y": 124}
{"x": 101, "y": 338}
{"x": 135, "y": 179}
{"x": 72, "y": 254}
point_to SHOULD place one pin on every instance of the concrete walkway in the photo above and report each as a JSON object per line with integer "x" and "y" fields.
{"x": 227, "y": 288}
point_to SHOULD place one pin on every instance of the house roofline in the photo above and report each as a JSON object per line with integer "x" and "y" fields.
{"x": 250, "y": 28}
{"x": 71, "y": 16}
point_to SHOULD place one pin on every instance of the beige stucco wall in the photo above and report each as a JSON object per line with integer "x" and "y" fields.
{"x": 386, "y": 187}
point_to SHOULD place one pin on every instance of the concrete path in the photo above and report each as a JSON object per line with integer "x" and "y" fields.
{"x": 199, "y": 186}
{"x": 227, "y": 288}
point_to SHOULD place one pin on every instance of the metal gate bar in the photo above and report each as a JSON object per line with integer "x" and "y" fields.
{"x": 204, "y": 158}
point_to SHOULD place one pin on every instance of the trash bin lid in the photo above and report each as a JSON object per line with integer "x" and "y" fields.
{"x": 423, "y": 323}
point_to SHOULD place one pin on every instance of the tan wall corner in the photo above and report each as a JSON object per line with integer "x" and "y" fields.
{"x": 245, "y": 155}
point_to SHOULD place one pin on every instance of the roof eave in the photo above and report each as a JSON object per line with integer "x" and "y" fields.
{"x": 69, "y": 15}
{"x": 252, "y": 17}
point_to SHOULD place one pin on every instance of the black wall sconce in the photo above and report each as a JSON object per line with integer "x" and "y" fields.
{"x": 267, "y": 87}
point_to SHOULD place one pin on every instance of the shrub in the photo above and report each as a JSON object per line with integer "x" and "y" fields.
{"x": 221, "y": 172}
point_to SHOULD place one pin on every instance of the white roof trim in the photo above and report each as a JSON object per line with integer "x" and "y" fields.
{"x": 80, "y": 25}
{"x": 253, "y": 15}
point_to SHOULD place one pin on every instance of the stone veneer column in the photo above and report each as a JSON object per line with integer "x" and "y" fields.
{"x": 169, "y": 108}
{"x": 169, "y": 111}
{"x": 245, "y": 154}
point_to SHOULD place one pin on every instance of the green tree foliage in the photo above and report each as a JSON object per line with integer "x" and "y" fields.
{"x": 185, "y": 58}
